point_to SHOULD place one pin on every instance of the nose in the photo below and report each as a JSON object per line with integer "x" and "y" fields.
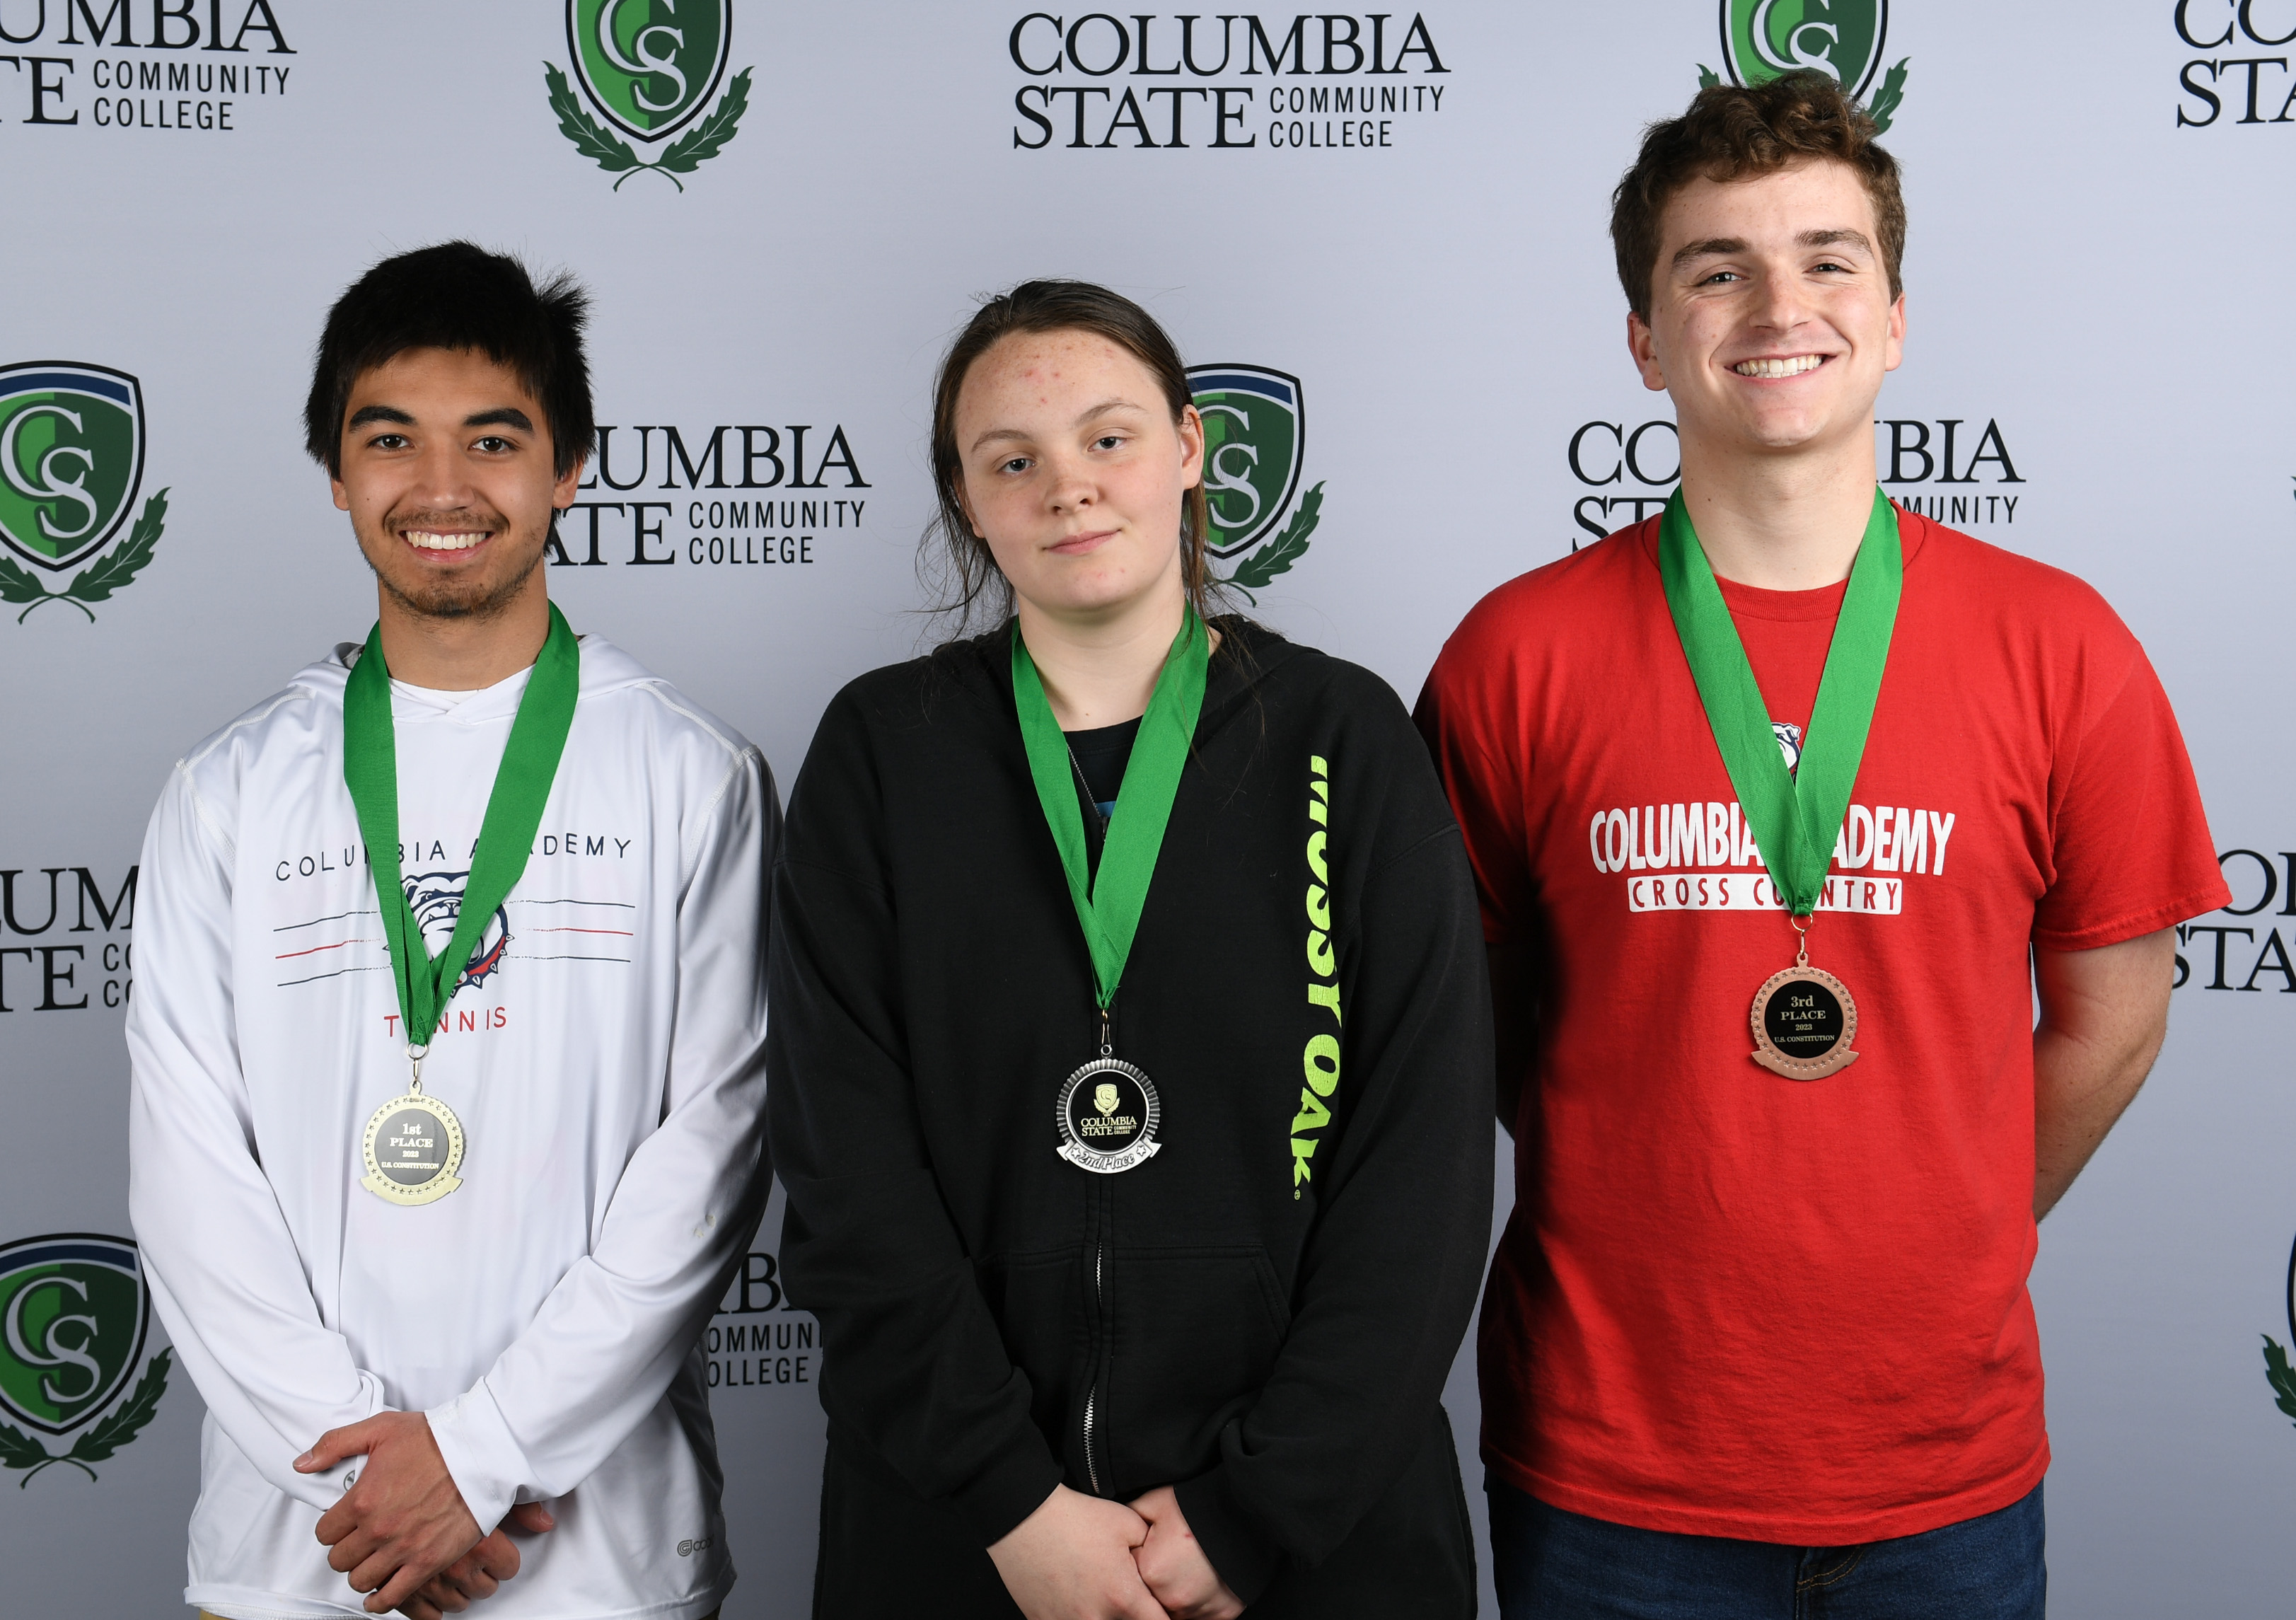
{"x": 1070, "y": 486}
{"x": 1781, "y": 305}
{"x": 442, "y": 474}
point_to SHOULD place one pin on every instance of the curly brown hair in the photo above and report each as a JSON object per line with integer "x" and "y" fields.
{"x": 1737, "y": 132}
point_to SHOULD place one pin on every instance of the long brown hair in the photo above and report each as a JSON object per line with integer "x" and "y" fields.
{"x": 954, "y": 561}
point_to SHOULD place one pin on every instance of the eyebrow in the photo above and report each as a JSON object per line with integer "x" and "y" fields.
{"x": 1717, "y": 246}
{"x": 507, "y": 416}
{"x": 379, "y": 413}
{"x": 997, "y": 434}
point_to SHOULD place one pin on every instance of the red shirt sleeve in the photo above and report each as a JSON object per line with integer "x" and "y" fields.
{"x": 1463, "y": 712}
{"x": 2129, "y": 840}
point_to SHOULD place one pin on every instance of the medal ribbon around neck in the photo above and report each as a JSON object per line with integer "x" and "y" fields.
{"x": 514, "y": 815}
{"x": 1108, "y": 906}
{"x": 1797, "y": 818}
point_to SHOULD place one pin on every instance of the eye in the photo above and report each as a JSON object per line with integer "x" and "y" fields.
{"x": 387, "y": 441}
{"x": 1831, "y": 264}
{"x": 1721, "y": 276}
{"x": 1013, "y": 463}
{"x": 494, "y": 444}
{"x": 1107, "y": 441}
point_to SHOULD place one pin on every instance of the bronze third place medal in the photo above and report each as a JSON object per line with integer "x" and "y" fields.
{"x": 1804, "y": 1019}
{"x": 1108, "y": 1117}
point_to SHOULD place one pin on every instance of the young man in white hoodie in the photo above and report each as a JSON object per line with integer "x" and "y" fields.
{"x": 445, "y": 1131}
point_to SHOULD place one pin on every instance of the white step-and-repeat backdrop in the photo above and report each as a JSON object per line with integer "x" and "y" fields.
{"x": 785, "y": 213}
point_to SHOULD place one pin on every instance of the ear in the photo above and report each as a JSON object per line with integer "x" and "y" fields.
{"x": 1190, "y": 427}
{"x": 965, "y": 505}
{"x": 1643, "y": 344}
{"x": 1893, "y": 351}
{"x": 563, "y": 491}
{"x": 343, "y": 496}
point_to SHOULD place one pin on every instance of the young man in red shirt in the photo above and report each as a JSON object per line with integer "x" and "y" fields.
{"x": 1782, "y": 804}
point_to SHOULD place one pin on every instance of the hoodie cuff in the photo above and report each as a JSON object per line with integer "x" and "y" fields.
{"x": 1013, "y": 1487}
{"x": 1240, "y": 1553}
{"x": 485, "y": 1459}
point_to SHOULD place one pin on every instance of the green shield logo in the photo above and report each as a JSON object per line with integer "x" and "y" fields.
{"x": 1254, "y": 436}
{"x": 1764, "y": 39}
{"x": 71, "y": 456}
{"x": 648, "y": 65}
{"x": 73, "y": 1314}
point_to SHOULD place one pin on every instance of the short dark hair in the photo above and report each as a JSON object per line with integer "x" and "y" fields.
{"x": 457, "y": 295}
{"x": 968, "y": 571}
{"x": 1736, "y": 132}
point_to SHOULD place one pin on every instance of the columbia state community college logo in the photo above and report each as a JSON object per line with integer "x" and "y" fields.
{"x": 74, "y": 1313}
{"x": 1255, "y": 443}
{"x": 72, "y": 460}
{"x": 1762, "y": 39}
{"x": 646, "y": 68}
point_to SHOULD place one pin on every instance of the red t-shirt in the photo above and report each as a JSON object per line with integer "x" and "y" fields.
{"x": 1728, "y": 1303}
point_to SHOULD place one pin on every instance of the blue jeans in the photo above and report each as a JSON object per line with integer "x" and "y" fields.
{"x": 1550, "y": 1565}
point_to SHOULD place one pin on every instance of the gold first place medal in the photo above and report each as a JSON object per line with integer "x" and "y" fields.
{"x": 412, "y": 1148}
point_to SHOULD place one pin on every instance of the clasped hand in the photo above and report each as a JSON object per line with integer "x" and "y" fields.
{"x": 1077, "y": 1557}
{"x": 402, "y": 1533}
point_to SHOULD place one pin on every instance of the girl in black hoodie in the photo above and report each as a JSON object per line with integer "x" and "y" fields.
{"x": 1140, "y": 1257}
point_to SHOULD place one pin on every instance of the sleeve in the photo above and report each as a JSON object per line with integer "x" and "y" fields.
{"x": 914, "y": 1363}
{"x": 602, "y": 1351}
{"x": 2129, "y": 846}
{"x": 1456, "y": 717}
{"x": 1388, "y": 1280}
{"x": 222, "y": 1266}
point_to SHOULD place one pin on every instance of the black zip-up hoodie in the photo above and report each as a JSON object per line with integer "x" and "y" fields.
{"x": 1264, "y": 1313}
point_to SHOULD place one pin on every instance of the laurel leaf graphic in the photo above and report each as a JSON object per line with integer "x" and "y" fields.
{"x": 1707, "y": 76}
{"x": 19, "y": 584}
{"x": 121, "y": 564}
{"x": 127, "y": 1419}
{"x": 591, "y": 138}
{"x": 706, "y": 138}
{"x": 1885, "y": 102}
{"x": 19, "y": 1450}
{"x": 2282, "y": 1380}
{"x": 1258, "y": 569}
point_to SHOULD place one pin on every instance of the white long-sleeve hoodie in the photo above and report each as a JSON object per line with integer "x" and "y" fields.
{"x": 604, "y": 1053}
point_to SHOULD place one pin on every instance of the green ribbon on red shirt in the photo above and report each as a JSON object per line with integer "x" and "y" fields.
{"x": 514, "y": 815}
{"x": 1109, "y": 904}
{"x": 1796, "y": 818}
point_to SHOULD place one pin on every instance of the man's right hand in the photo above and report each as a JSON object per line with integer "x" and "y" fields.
{"x": 481, "y": 1572}
{"x": 1072, "y": 1559}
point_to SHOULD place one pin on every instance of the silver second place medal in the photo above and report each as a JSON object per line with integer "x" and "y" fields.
{"x": 413, "y": 1146}
{"x": 1108, "y": 1116}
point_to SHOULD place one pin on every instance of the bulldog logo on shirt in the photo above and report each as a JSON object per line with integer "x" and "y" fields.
{"x": 436, "y": 899}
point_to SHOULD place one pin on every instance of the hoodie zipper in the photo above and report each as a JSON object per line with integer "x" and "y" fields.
{"x": 1092, "y": 1392}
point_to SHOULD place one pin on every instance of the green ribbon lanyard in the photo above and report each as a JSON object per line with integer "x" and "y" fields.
{"x": 1109, "y": 904}
{"x": 538, "y": 736}
{"x": 1796, "y": 820}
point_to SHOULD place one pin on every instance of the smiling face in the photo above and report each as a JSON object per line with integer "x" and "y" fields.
{"x": 447, "y": 474}
{"x": 1772, "y": 321}
{"x": 1074, "y": 473}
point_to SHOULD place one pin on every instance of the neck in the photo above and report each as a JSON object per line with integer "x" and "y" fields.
{"x": 1777, "y": 521}
{"x": 1101, "y": 670}
{"x": 463, "y": 655}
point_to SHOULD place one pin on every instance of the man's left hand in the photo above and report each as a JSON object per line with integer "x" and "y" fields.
{"x": 404, "y": 1520}
{"x": 1173, "y": 1565}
